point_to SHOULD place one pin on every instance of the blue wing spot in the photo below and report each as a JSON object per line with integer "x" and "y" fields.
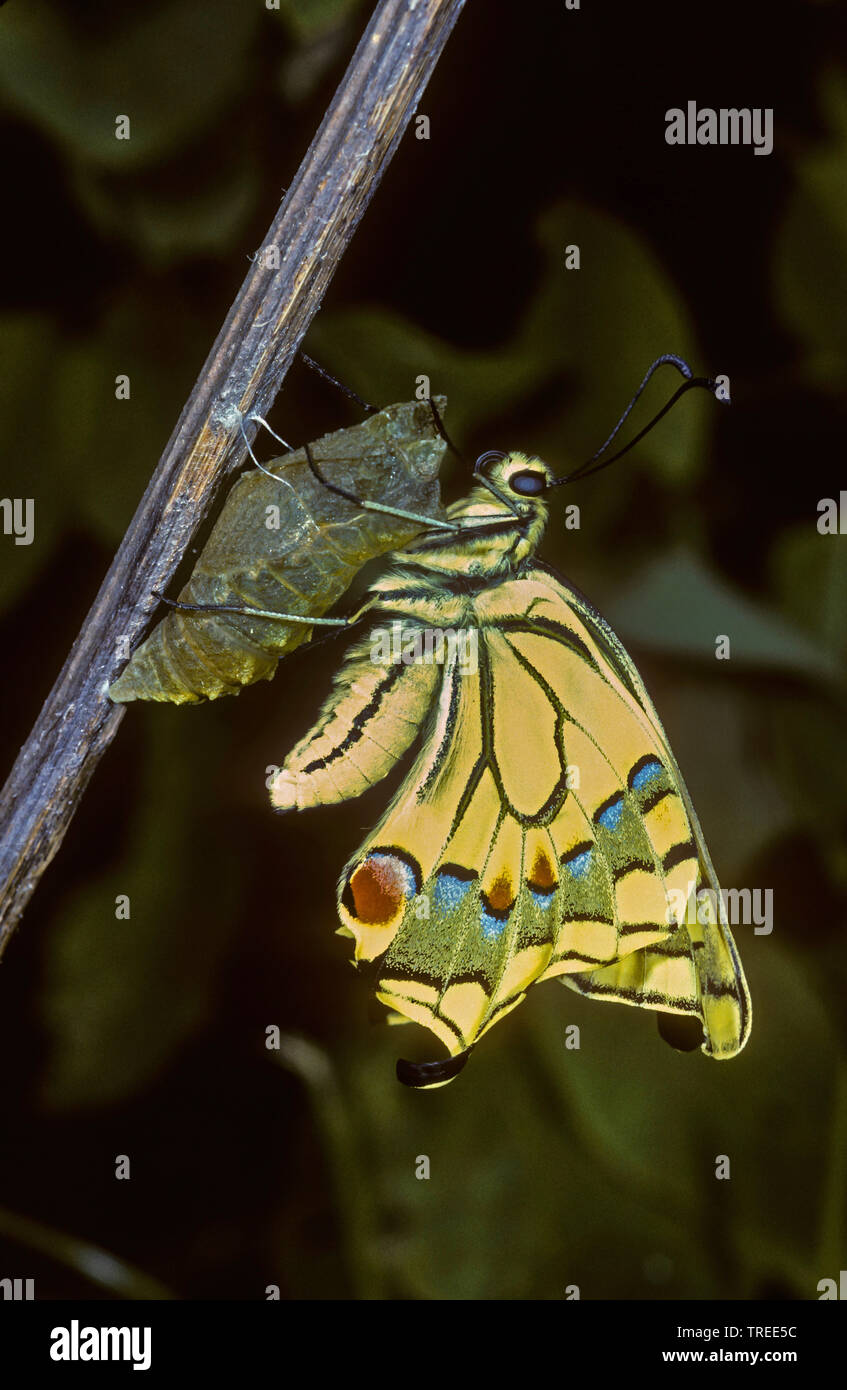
{"x": 544, "y": 899}
{"x": 579, "y": 866}
{"x": 649, "y": 770}
{"x": 450, "y": 890}
{"x": 610, "y": 814}
{"x": 492, "y": 925}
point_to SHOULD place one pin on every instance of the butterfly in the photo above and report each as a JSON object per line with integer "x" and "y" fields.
{"x": 292, "y": 534}
{"x": 544, "y": 830}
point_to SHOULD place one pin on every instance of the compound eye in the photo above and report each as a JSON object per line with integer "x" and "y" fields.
{"x": 528, "y": 483}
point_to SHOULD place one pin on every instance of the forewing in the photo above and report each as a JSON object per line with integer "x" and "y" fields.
{"x": 367, "y": 723}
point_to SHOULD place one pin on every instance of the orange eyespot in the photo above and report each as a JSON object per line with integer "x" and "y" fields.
{"x": 379, "y": 888}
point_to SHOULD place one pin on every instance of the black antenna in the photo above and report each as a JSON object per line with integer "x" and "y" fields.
{"x": 667, "y": 359}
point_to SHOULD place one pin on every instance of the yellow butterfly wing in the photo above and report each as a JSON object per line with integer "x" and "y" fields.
{"x": 696, "y": 969}
{"x": 544, "y": 829}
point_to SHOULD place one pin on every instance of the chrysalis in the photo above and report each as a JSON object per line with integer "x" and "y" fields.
{"x": 292, "y": 546}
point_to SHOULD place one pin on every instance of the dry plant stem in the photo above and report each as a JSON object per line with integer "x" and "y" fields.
{"x": 243, "y": 372}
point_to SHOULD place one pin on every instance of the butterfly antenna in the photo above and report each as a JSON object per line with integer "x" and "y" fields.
{"x": 346, "y": 390}
{"x": 667, "y": 359}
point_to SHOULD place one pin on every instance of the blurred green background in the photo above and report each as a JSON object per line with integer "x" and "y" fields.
{"x": 146, "y": 1037}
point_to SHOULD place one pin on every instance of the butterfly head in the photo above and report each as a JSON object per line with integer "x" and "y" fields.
{"x": 519, "y": 476}
{"x": 504, "y": 516}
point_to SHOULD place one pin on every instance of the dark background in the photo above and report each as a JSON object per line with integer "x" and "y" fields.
{"x": 147, "y": 1037}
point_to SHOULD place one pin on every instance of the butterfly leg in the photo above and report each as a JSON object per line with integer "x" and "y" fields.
{"x": 429, "y": 521}
{"x": 339, "y": 385}
{"x": 305, "y": 619}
